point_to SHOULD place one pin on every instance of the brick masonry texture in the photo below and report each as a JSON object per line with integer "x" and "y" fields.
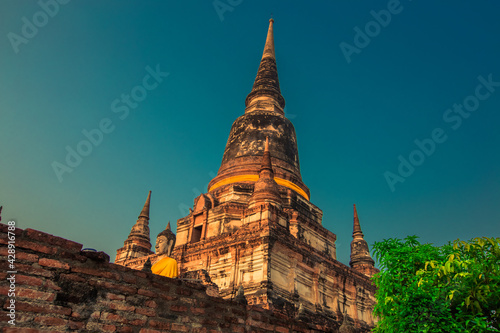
{"x": 60, "y": 289}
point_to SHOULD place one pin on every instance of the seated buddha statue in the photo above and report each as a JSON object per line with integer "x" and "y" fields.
{"x": 165, "y": 266}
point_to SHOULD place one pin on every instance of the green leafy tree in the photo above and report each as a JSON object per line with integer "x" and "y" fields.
{"x": 425, "y": 288}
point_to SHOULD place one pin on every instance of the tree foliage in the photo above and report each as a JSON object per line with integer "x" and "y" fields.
{"x": 425, "y": 288}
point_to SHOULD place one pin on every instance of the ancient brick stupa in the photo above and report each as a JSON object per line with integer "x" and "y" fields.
{"x": 256, "y": 230}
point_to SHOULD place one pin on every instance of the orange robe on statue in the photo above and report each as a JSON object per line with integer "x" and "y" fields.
{"x": 165, "y": 267}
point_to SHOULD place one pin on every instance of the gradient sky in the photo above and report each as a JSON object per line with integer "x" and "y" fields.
{"x": 353, "y": 120}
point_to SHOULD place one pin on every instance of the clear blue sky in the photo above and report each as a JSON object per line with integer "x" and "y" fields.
{"x": 353, "y": 120}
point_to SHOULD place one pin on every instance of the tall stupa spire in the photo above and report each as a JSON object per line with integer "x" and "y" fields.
{"x": 266, "y": 88}
{"x": 138, "y": 243}
{"x": 356, "y": 232}
{"x": 145, "y": 209}
{"x": 266, "y": 158}
{"x": 269, "y": 47}
{"x": 360, "y": 254}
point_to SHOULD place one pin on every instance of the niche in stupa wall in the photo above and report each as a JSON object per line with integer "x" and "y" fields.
{"x": 326, "y": 288}
{"x": 305, "y": 285}
{"x": 183, "y": 226}
{"x": 283, "y": 221}
{"x": 282, "y": 268}
{"x": 221, "y": 269}
{"x": 364, "y": 304}
{"x": 213, "y": 228}
{"x": 232, "y": 225}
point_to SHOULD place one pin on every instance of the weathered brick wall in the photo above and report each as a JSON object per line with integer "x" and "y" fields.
{"x": 59, "y": 288}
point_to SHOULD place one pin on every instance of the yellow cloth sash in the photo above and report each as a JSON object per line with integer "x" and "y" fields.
{"x": 165, "y": 267}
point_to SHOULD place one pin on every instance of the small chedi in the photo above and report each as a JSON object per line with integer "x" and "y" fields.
{"x": 255, "y": 232}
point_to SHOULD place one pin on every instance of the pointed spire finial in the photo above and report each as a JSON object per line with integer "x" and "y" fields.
{"x": 356, "y": 232}
{"x": 147, "y": 266}
{"x": 168, "y": 226}
{"x": 269, "y": 47}
{"x": 138, "y": 242}
{"x": 145, "y": 209}
{"x": 266, "y": 158}
{"x": 266, "y": 87}
{"x": 360, "y": 254}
